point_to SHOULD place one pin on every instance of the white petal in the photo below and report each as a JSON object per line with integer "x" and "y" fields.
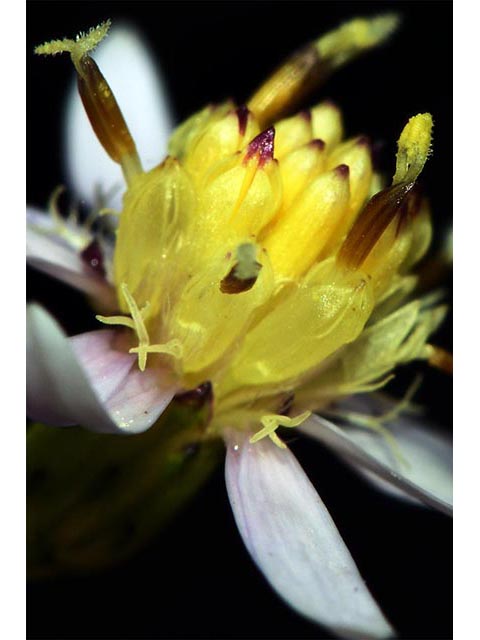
{"x": 52, "y": 255}
{"x": 86, "y": 381}
{"x": 127, "y": 64}
{"x": 40, "y": 220}
{"x": 339, "y": 440}
{"x": 428, "y": 456}
{"x": 293, "y": 540}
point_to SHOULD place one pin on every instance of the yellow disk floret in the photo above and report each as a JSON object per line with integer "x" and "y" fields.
{"x": 252, "y": 269}
{"x": 264, "y": 255}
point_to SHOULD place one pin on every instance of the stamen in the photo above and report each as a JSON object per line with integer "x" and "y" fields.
{"x": 440, "y": 358}
{"x": 288, "y": 85}
{"x": 305, "y": 70}
{"x": 400, "y": 198}
{"x": 371, "y": 223}
{"x": 271, "y": 422}
{"x": 106, "y": 118}
{"x": 97, "y": 97}
{"x": 244, "y": 273}
{"x": 242, "y": 115}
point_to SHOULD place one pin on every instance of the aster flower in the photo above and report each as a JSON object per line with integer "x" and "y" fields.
{"x": 265, "y": 268}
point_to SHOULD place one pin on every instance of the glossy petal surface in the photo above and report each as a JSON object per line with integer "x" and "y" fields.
{"x": 48, "y": 252}
{"x": 294, "y": 542}
{"x": 366, "y": 458}
{"x": 426, "y": 453}
{"x": 85, "y": 380}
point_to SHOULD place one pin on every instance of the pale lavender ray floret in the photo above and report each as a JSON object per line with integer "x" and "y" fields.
{"x": 420, "y": 454}
{"x": 57, "y": 248}
{"x": 86, "y": 380}
{"x": 418, "y": 469}
{"x": 294, "y": 542}
{"x": 89, "y": 380}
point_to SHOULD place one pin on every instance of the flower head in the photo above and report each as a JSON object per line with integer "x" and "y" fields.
{"x": 265, "y": 258}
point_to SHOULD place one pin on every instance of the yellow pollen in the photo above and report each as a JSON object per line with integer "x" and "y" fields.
{"x": 137, "y": 324}
{"x": 271, "y": 422}
{"x": 414, "y": 147}
{"x": 83, "y": 44}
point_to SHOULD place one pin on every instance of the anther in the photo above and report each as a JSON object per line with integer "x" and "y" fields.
{"x": 244, "y": 273}
{"x": 371, "y": 223}
{"x": 316, "y": 143}
{"x": 399, "y": 199}
{"x": 106, "y": 118}
{"x": 440, "y": 359}
{"x": 242, "y": 115}
{"x": 290, "y": 84}
{"x": 102, "y": 109}
{"x": 342, "y": 171}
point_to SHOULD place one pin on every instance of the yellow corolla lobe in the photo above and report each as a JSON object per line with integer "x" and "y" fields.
{"x": 301, "y": 233}
{"x": 356, "y": 155}
{"x": 292, "y": 133}
{"x": 299, "y": 167}
{"x": 207, "y": 140}
{"x": 327, "y": 124}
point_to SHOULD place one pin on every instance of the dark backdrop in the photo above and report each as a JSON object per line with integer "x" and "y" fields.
{"x": 197, "y": 580}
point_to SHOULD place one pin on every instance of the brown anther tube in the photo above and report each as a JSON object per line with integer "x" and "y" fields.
{"x": 105, "y": 116}
{"x": 289, "y": 85}
{"x": 372, "y": 222}
{"x": 441, "y": 359}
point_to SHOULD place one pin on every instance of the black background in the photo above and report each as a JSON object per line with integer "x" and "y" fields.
{"x": 197, "y": 580}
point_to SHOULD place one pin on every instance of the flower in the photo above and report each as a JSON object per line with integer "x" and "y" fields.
{"x": 246, "y": 233}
